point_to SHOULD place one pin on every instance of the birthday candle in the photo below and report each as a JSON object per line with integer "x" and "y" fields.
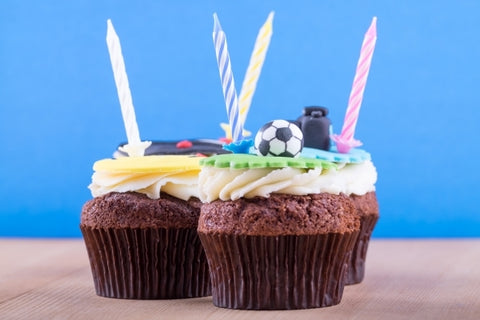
{"x": 135, "y": 147}
{"x": 345, "y": 141}
{"x": 226, "y": 77}
{"x": 255, "y": 67}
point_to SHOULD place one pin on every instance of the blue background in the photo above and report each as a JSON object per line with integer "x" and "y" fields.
{"x": 59, "y": 110}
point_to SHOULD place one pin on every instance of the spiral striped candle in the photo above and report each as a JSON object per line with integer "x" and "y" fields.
{"x": 346, "y": 141}
{"x": 255, "y": 67}
{"x": 134, "y": 147}
{"x": 226, "y": 77}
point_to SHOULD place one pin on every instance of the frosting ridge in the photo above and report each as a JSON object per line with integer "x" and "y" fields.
{"x": 231, "y": 184}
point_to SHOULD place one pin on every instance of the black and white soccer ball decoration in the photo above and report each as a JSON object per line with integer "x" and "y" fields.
{"x": 279, "y": 138}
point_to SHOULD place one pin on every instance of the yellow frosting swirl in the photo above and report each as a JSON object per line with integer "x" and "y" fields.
{"x": 175, "y": 175}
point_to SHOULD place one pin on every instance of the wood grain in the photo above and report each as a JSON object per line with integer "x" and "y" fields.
{"x": 405, "y": 279}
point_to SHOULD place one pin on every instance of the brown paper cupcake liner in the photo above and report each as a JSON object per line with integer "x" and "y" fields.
{"x": 277, "y": 272}
{"x": 356, "y": 264}
{"x": 147, "y": 263}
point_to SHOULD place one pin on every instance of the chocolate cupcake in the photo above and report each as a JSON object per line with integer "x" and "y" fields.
{"x": 367, "y": 208}
{"x": 273, "y": 239}
{"x": 355, "y": 171}
{"x": 140, "y": 229}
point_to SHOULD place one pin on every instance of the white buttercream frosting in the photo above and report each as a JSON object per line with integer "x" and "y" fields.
{"x": 232, "y": 184}
{"x": 180, "y": 185}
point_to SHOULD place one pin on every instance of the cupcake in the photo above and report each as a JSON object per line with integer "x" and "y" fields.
{"x": 140, "y": 229}
{"x": 275, "y": 235}
{"x": 279, "y": 225}
{"x": 357, "y": 172}
{"x": 367, "y": 208}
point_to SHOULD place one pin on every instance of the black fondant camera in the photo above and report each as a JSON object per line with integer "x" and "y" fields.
{"x": 315, "y": 127}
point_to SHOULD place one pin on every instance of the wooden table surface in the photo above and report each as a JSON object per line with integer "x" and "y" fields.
{"x": 406, "y": 279}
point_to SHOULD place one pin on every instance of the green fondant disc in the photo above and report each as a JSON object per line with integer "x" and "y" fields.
{"x": 245, "y": 161}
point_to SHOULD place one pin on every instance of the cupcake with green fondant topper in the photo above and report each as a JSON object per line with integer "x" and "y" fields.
{"x": 286, "y": 218}
{"x": 274, "y": 211}
{"x": 140, "y": 228}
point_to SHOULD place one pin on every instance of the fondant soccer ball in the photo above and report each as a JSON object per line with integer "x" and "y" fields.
{"x": 279, "y": 138}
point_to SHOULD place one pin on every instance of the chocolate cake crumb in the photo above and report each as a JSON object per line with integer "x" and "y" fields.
{"x": 136, "y": 210}
{"x": 280, "y": 214}
{"x": 366, "y": 204}
{"x": 367, "y": 210}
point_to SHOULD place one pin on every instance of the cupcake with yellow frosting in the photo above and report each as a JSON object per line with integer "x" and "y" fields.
{"x": 140, "y": 229}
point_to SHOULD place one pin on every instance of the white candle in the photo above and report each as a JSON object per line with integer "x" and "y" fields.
{"x": 253, "y": 73}
{"x": 135, "y": 147}
{"x": 226, "y": 77}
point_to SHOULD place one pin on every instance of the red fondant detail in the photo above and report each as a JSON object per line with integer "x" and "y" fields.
{"x": 200, "y": 155}
{"x": 184, "y": 144}
{"x": 225, "y": 140}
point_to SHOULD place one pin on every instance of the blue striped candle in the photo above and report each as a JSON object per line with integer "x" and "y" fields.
{"x": 226, "y": 77}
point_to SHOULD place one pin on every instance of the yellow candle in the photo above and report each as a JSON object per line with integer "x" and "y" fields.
{"x": 255, "y": 67}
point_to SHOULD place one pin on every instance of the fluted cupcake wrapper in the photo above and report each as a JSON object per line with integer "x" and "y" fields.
{"x": 147, "y": 263}
{"x": 277, "y": 272}
{"x": 356, "y": 264}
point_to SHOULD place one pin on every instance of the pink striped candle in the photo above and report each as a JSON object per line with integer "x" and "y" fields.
{"x": 345, "y": 140}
